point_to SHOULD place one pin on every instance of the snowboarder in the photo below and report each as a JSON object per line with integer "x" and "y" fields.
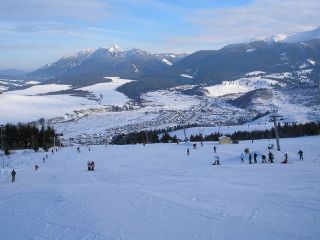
{"x": 13, "y": 175}
{"x": 264, "y": 159}
{"x": 214, "y": 149}
{"x": 188, "y": 151}
{"x": 271, "y": 157}
{"x": 285, "y": 161}
{"x": 36, "y": 167}
{"x": 255, "y": 155}
{"x": 300, "y": 153}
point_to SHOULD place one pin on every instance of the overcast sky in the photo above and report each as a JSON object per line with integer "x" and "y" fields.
{"x": 36, "y": 32}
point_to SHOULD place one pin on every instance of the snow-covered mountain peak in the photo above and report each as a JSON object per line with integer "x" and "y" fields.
{"x": 114, "y": 49}
{"x": 291, "y": 38}
{"x": 273, "y": 38}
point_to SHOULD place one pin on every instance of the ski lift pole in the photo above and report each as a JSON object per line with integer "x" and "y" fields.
{"x": 185, "y": 135}
{"x": 1, "y": 127}
{"x": 274, "y": 118}
{"x": 147, "y": 137}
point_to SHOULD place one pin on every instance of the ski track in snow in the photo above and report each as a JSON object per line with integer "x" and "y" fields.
{"x": 158, "y": 192}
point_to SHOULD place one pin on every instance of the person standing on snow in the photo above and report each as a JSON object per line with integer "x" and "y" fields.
{"x": 255, "y": 155}
{"x": 13, "y": 175}
{"x": 271, "y": 157}
{"x": 217, "y": 160}
{"x": 188, "y": 151}
{"x": 214, "y": 149}
{"x": 300, "y": 153}
{"x": 285, "y": 161}
{"x": 92, "y": 165}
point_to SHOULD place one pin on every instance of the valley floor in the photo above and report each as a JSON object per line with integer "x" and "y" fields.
{"x": 158, "y": 192}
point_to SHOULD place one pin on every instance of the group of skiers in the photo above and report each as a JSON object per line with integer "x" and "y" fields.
{"x": 246, "y": 155}
{"x": 253, "y": 158}
{"x": 91, "y": 165}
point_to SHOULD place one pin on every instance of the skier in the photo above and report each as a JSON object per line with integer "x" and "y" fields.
{"x": 13, "y": 175}
{"x": 46, "y": 156}
{"x": 36, "y": 167}
{"x": 250, "y": 158}
{"x": 89, "y": 165}
{"x": 201, "y": 144}
{"x": 188, "y": 151}
{"x": 264, "y": 159}
{"x": 255, "y": 155}
{"x": 285, "y": 161}
{"x": 271, "y": 157}
{"x": 300, "y": 153}
{"x": 89, "y": 149}
{"x": 43, "y": 159}
{"x": 52, "y": 151}
{"x": 242, "y": 160}
{"x": 214, "y": 149}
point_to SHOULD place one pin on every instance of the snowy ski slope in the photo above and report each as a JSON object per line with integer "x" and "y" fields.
{"x": 158, "y": 192}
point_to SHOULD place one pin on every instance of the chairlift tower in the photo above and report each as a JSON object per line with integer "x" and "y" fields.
{"x": 1, "y": 127}
{"x": 185, "y": 135}
{"x": 273, "y": 118}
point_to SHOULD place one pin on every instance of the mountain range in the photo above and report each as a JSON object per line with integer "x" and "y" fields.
{"x": 205, "y": 67}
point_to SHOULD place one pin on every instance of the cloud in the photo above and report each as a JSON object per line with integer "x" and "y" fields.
{"x": 256, "y": 19}
{"x": 55, "y": 9}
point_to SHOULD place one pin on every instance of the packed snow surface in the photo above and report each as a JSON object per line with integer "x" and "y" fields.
{"x": 158, "y": 192}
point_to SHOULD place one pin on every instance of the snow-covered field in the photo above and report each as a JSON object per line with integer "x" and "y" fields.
{"x": 32, "y": 103}
{"x": 158, "y": 192}
{"x": 250, "y": 82}
{"x": 107, "y": 91}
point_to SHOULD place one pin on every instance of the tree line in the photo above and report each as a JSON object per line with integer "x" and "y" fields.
{"x": 149, "y": 136}
{"x": 285, "y": 131}
{"x": 27, "y": 136}
{"x": 162, "y": 136}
